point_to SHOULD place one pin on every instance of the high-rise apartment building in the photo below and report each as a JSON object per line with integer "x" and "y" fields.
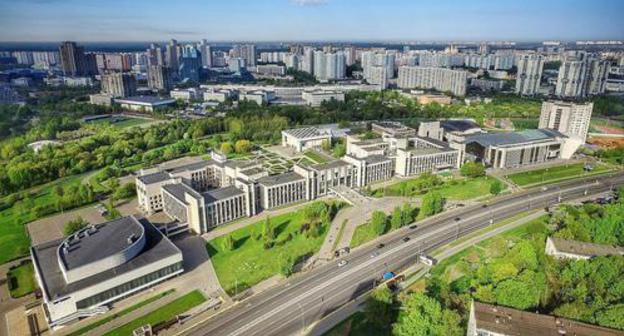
{"x": 329, "y": 66}
{"x": 206, "y": 54}
{"x": 171, "y": 54}
{"x": 530, "y": 67}
{"x": 568, "y": 118}
{"x": 73, "y": 60}
{"x": 155, "y": 55}
{"x": 246, "y": 52}
{"x": 440, "y": 79}
{"x": 159, "y": 77}
{"x": 190, "y": 63}
{"x": 582, "y": 74}
{"x": 118, "y": 84}
{"x": 373, "y": 59}
{"x": 307, "y": 61}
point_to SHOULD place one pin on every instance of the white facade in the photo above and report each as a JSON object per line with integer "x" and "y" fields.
{"x": 302, "y": 139}
{"x": 440, "y": 79}
{"x": 568, "y": 118}
{"x": 529, "y": 76}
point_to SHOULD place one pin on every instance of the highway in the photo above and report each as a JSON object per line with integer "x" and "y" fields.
{"x": 307, "y": 297}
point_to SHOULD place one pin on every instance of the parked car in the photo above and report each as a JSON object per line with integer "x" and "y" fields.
{"x": 342, "y": 263}
{"x": 406, "y": 239}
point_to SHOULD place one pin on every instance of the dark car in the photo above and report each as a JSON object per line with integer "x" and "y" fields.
{"x": 457, "y": 219}
{"x": 406, "y": 239}
{"x": 380, "y": 245}
{"x": 484, "y": 206}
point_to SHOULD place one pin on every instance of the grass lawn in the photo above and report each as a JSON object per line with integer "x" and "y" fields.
{"x": 21, "y": 280}
{"x": 363, "y": 234}
{"x": 456, "y": 189}
{"x": 316, "y": 157}
{"x": 132, "y": 308}
{"x": 14, "y": 241}
{"x": 162, "y": 314}
{"x": 249, "y": 263}
{"x": 357, "y": 325}
{"x": 556, "y": 173}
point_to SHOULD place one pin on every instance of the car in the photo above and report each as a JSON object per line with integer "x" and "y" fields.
{"x": 457, "y": 219}
{"x": 544, "y": 188}
{"x": 459, "y": 205}
{"x": 380, "y": 245}
{"x": 342, "y": 263}
{"x": 374, "y": 254}
{"x": 406, "y": 239}
{"x": 336, "y": 253}
{"x": 412, "y": 227}
{"x": 484, "y": 206}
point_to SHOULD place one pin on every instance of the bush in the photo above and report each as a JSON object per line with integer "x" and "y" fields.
{"x": 472, "y": 169}
{"x": 74, "y": 226}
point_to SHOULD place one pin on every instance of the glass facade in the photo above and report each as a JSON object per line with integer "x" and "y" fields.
{"x": 128, "y": 286}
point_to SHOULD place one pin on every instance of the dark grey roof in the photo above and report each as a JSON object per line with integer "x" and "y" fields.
{"x": 439, "y": 143}
{"x": 240, "y": 163}
{"x": 458, "y": 125}
{"x": 221, "y": 193}
{"x": 157, "y": 247}
{"x": 329, "y": 165}
{"x": 371, "y": 159}
{"x": 192, "y": 166}
{"x": 178, "y": 190}
{"x": 88, "y": 246}
{"x": 280, "y": 179}
{"x": 511, "y": 138}
{"x": 253, "y": 171}
{"x": 154, "y": 177}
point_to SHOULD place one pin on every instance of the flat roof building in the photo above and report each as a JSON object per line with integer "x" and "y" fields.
{"x": 81, "y": 274}
{"x": 144, "y": 103}
{"x": 301, "y": 139}
{"x": 578, "y": 250}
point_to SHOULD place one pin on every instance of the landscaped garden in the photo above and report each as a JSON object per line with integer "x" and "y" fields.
{"x": 272, "y": 246}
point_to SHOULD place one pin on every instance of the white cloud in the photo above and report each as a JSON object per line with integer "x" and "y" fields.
{"x": 307, "y": 3}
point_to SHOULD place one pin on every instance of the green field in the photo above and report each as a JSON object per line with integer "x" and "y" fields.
{"x": 249, "y": 263}
{"x": 14, "y": 241}
{"x": 107, "y": 319}
{"x": 21, "y": 280}
{"x": 363, "y": 234}
{"x": 456, "y": 189}
{"x": 123, "y": 122}
{"x": 316, "y": 157}
{"x": 357, "y": 325}
{"x": 162, "y": 314}
{"x": 552, "y": 174}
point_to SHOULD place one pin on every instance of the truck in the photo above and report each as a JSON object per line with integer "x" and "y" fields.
{"x": 427, "y": 260}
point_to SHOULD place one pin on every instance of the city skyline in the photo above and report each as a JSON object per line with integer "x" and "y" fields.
{"x": 309, "y": 20}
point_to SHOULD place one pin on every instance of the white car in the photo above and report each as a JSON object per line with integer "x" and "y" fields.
{"x": 374, "y": 254}
{"x": 342, "y": 263}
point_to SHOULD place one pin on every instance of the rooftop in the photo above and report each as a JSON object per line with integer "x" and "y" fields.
{"x": 508, "y": 321}
{"x": 306, "y": 133}
{"x": 458, "y": 125}
{"x": 330, "y": 165}
{"x": 512, "y": 138}
{"x": 154, "y": 177}
{"x": 376, "y": 159}
{"x": 145, "y": 100}
{"x": 157, "y": 247}
{"x": 178, "y": 190}
{"x": 280, "y": 179}
{"x": 221, "y": 193}
{"x": 192, "y": 166}
{"x": 585, "y": 249}
{"x": 100, "y": 241}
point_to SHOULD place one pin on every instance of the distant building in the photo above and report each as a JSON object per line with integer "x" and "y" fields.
{"x": 144, "y": 103}
{"x": 219, "y": 95}
{"x": 440, "y": 79}
{"x": 581, "y": 75}
{"x": 119, "y": 84}
{"x": 317, "y": 97}
{"x": 246, "y": 52}
{"x": 101, "y": 99}
{"x": 190, "y": 64}
{"x": 171, "y": 55}
{"x": 271, "y": 70}
{"x": 81, "y": 274}
{"x": 73, "y": 60}
{"x": 490, "y": 320}
{"x": 392, "y": 129}
{"x": 301, "y": 139}
{"x": 418, "y": 155}
{"x": 206, "y": 54}
{"x": 570, "y": 119}
{"x": 487, "y": 84}
{"x": 529, "y": 76}
{"x": 577, "y": 250}
{"x": 259, "y": 97}
{"x": 159, "y": 78}
{"x": 186, "y": 94}
{"x": 329, "y": 66}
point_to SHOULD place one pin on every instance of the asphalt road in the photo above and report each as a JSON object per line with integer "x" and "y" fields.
{"x": 290, "y": 309}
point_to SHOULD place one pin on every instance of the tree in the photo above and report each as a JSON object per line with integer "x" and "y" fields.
{"x": 326, "y": 145}
{"x": 432, "y": 203}
{"x": 127, "y": 190}
{"x": 287, "y": 266}
{"x": 472, "y": 169}
{"x": 339, "y": 150}
{"x": 379, "y": 307}
{"x": 226, "y": 148}
{"x": 74, "y": 226}
{"x": 423, "y": 315}
{"x": 242, "y": 146}
{"x": 496, "y": 187}
{"x": 229, "y": 243}
{"x": 378, "y": 222}
{"x": 268, "y": 232}
{"x": 407, "y": 214}
{"x": 396, "y": 221}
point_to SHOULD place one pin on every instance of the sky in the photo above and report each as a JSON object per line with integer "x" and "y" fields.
{"x": 310, "y": 20}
